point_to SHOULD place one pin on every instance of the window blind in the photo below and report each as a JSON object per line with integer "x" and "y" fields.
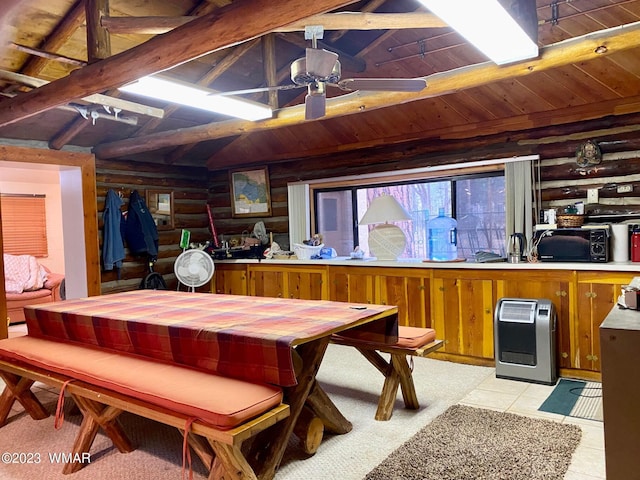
{"x": 24, "y": 225}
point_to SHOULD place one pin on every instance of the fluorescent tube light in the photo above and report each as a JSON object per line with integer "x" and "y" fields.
{"x": 185, "y": 94}
{"x": 488, "y": 26}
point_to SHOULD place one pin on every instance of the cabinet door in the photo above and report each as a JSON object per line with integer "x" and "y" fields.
{"x": 556, "y": 286}
{"x": 288, "y": 281}
{"x": 408, "y": 289}
{"x": 267, "y": 282}
{"x": 462, "y": 306}
{"x": 230, "y": 279}
{"x": 352, "y": 284}
{"x": 307, "y": 283}
{"x": 597, "y": 295}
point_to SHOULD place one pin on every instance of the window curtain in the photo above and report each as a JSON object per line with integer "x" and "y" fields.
{"x": 299, "y": 208}
{"x": 519, "y": 198}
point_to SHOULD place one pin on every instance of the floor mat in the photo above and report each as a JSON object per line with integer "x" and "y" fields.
{"x": 575, "y": 398}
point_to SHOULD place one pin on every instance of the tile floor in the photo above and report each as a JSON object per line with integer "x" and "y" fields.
{"x": 522, "y": 398}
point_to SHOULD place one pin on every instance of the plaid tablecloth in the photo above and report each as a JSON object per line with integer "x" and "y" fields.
{"x": 238, "y": 336}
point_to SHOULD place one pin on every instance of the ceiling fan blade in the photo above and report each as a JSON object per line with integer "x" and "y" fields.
{"x": 320, "y": 63}
{"x": 314, "y": 106}
{"x": 255, "y": 90}
{"x": 383, "y": 84}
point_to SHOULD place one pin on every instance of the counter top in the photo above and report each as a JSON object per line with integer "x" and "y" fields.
{"x": 622, "y": 319}
{"x": 417, "y": 263}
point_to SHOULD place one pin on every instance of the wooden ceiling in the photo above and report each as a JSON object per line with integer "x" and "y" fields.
{"x": 588, "y": 68}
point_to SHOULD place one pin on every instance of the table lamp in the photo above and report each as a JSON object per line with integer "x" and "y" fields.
{"x": 386, "y": 241}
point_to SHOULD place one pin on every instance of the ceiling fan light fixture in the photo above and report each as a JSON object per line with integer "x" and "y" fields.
{"x": 191, "y": 96}
{"x": 488, "y": 26}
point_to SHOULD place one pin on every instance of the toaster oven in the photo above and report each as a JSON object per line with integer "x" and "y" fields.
{"x": 573, "y": 244}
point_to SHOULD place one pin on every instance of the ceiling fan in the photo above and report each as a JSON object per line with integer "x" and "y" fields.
{"x": 320, "y": 68}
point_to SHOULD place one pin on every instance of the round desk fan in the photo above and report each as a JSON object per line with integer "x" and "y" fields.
{"x": 194, "y": 268}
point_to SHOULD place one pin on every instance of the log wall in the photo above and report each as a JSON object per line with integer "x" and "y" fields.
{"x": 190, "y": 190}
{"x": 562, "y": 181}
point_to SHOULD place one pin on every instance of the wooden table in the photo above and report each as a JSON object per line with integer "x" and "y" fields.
{"x": 272, "y": 340}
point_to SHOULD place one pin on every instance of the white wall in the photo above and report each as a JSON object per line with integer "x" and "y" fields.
{"x": 41, "y": 180}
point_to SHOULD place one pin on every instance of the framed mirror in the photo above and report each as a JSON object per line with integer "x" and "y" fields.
{"x": 160, "y": 204}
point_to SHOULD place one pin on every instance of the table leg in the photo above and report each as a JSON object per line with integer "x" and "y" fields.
{"x": 320, "y": 403}
{"x": 269, "y": 446}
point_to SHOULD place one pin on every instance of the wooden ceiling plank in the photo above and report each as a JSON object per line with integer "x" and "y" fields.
{"x": 58, "y": 37}
{"x": 577, "y": 50}
{"x": 233, "y": 24}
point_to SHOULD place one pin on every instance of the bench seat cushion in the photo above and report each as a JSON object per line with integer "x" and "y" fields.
{"x": 218, "y": 401}
{"x": 410, "y": 338}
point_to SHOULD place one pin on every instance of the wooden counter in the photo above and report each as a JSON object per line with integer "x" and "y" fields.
{"x": 457, "y": 299}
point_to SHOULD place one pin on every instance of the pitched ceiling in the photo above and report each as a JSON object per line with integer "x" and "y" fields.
{"x": 589, "y": 68}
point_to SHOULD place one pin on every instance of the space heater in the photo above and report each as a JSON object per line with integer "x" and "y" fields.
{"x": 525, "y": 340}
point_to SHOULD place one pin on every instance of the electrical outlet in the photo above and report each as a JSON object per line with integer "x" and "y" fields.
{"x": 624, "y": 189}
{"x": 592, "y": 195}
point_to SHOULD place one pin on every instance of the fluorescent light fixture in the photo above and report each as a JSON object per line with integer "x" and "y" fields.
{"x": 185, "y": 94}
{"x": 488, "y": 26}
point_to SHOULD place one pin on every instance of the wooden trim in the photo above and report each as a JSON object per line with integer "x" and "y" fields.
{"x": 86, "y": 163}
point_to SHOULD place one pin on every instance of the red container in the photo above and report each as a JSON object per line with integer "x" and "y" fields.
{"x": 635, "y": 246}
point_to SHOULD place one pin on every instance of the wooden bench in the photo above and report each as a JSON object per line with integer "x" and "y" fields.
{"x": 103, "y": 384}
{"x": 412, "y": 342}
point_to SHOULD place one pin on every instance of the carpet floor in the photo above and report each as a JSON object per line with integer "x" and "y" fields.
{"x": 467, "y": 443}
{"x": 351, "y": 382}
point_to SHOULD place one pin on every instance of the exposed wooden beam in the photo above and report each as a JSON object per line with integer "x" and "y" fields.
{"x": 576, "y": 50}
{"x": 330, "y": 21}
{"x": 144, "y": 25}
{"x": 233, "y": 24}
{"x": 48, "y": 55}
{"x": 97, "y": 98}
{"x": 270, "y": 68}
{"x": 98, "y": 39}
{"x": 371, "y": 6}
{"x": 368, "y": 21}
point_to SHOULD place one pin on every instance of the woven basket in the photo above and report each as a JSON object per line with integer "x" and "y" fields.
{"x": 569, "y": 220}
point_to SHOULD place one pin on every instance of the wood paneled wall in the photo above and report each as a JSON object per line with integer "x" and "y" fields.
{"x": 189, "y": 186}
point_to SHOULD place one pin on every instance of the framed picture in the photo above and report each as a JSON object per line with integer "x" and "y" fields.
{"x": 250, "y": 195}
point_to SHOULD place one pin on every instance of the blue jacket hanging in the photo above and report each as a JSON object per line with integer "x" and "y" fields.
{"x": 112, "y": 244}
{"x": 140, "y": 230}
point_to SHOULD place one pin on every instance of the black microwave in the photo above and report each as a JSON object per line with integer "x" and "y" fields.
{"x": 572, "y": 244}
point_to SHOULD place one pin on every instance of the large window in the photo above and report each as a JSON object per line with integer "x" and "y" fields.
{"x": 477, "y": 202}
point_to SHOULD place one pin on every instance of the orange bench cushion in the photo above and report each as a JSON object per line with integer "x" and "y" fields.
{"x": 218, "y": 401}
{"x": 408, "y": 337}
